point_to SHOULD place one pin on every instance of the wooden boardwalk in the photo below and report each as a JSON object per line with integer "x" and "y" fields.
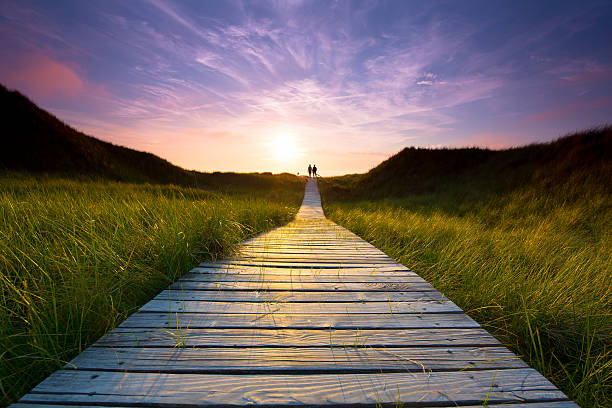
{"x": 308, "y": 314}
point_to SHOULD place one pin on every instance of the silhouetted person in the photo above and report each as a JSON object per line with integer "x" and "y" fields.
{"x": 314, "y": 171}
{"x": 309, "y": 170}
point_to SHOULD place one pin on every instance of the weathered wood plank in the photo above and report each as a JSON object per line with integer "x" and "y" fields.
{"x": 237, "y": 269}
{"x": 294, "y": 359}
{"x": 305, "y": 266}
{"x": 356, "y": 276}
{"x": 374, "y": 263}
{"x": 300, "y": 249}
{"x": 339, "y": 263}
{"x": 321, "y": 254}
{"x": 286, "y": 239}
{"x": 304, "y": 286}
{"x": 297, "y": 297}
{"x": 305, "y": 260}
{"x": 191, "y": 306}
{"x": 300, "y": 321}
{"x": 309, "y": 245}
{"x": 312, "y": 254}
{"x": 278, "y": 235}
{"x": 296, "y": 277}
{"x": 131, "y": 337}
{"x": 317, "y": 258}
{"x": 549, "y": 404}
{"x": 386, "y": 273}
{"x": 307, "y": 242}
{"x": 308, "y": 265}
{"x": 195, "y": 390}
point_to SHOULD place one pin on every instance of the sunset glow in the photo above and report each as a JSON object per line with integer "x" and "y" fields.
{"x": 206, "y": 85}
{"x": 284, "y": 147}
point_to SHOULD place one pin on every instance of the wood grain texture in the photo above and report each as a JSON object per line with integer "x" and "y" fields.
{"x": 300, "y": 321}
{"x": 284, "y": 308}
{"x": 257, "y": 270}
{"x": 297, "y": 277}
{"x": 327, "y": 258}
{"x": 294, "y": 359}
{"x": 294, "y": 296}
{"x": 311, "y": 264}
{"x": 300, "y": 250}
{"x": 135, "y": 337}
{"x": 194, "y": 390}
{"x": 549, "y": 404}
{"x": 304, "y": 286}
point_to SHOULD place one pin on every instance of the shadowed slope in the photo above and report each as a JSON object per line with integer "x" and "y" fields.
{"x": 577, "y": 158}
{"x": 36, "y": 141}
{"x": 519, "y": 238}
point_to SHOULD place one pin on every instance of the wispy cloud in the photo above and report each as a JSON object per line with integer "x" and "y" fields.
{"x": 352, "y": 78}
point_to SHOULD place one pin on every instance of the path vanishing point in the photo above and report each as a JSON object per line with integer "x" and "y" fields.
{"x": 307, "y": 314}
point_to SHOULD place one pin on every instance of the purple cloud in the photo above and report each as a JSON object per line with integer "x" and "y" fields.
{"x": 190, "y": 81}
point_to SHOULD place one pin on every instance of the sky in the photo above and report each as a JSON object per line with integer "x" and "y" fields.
{"x": 276, "y": 85}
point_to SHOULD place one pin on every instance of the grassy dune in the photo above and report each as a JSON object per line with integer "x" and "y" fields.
{"x": 46, "y": 145}
{"x": 529, "y": 255}
{"x": 77, "y": 257}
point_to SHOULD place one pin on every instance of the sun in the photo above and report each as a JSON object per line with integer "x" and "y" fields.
{"x": 284, "y": 147}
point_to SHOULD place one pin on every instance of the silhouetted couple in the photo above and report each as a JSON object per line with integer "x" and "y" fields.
{"x": 312, "y": 171}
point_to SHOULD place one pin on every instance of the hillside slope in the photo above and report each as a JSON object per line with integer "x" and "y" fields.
{"x": 576, "y": 158}
{"x": 521, "y": 239}
{"x": 35, "y": 141}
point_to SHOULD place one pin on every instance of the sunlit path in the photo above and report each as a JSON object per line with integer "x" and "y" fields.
{"x": 306, "y": 314}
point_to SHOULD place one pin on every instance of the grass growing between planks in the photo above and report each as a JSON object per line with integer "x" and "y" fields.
{"x": 77, "y": 257}
{"x": 532, "y": 265}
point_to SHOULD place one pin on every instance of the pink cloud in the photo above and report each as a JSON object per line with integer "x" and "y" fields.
{"x": 41, "y": 77}
{"x": 567, "y": 110}
{"x": 205, "y": 133}
{"x": 594, "y": 75}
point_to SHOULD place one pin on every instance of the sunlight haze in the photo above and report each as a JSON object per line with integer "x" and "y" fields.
{"x": 273, "y": 86}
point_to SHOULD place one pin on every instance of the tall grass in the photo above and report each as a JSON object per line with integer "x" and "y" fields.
{"x": 77, "y": 257}
{"x": 532, "y": 266}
